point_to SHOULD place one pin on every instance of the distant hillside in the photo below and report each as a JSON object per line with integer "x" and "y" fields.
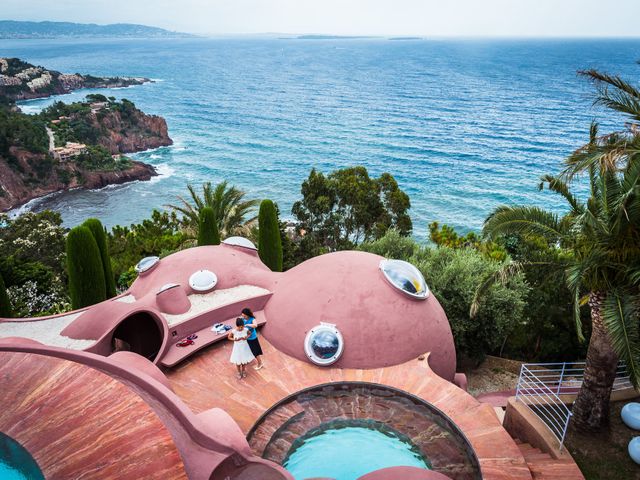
{"x": 20, "y": 80}
{"x": 15, "y": 29}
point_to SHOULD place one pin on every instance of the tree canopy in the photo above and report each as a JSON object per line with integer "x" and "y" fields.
{"x": 348, "y": 207}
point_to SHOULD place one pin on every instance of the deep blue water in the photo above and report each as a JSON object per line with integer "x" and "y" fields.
{"x": 463, "y": 125}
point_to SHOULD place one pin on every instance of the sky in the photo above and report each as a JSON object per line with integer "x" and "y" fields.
{"x": 429, "y": 18}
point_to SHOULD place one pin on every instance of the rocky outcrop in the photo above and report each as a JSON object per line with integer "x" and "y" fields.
{"x": 30, "y": 176}
{"x": 130, "y": 133}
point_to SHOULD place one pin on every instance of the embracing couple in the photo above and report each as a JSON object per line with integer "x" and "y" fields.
{"x": 246, "y": 346}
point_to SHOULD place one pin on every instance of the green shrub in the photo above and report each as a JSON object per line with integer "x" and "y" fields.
{"x": 208, "y": 227}
{"x": 453, "y": 275}
{"x": 98, "y": 232}
{"x": 84, "y": 267}
{"x": 269, "y": 241}
{"x": 5, "y": 305}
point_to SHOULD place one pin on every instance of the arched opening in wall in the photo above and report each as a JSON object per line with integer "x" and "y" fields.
{"x": 138, "y": 333}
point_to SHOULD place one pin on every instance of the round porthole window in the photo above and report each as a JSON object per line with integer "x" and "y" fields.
{"x": 239, "y": 242}
{"x": 146, "y": 264}
{"x": 324, "y": 344}
{"x": 203, "y": 280}
{"x": 405, "y": 277}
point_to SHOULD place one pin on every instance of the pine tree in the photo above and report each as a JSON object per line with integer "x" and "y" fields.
{"x": 84, "y": 267}
{"x": 208, "y": 227}
{"x": 269, "y": 241}
{"x": 97, "y": 230}
{"x": 5, "y": 304}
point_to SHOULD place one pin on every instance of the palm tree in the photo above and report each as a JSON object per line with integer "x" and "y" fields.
{"x": 602, "y": 237}
{"x": 234, "y": 214}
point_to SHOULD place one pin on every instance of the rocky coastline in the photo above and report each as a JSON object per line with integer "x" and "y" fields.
{"x": 19, "y": 189}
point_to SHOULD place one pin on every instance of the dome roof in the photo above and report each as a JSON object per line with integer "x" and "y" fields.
{"x": 380, "y": 324}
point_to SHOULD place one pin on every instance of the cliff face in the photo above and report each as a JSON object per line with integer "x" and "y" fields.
{"x": 129, "y": 133}
{"x": 33, "y": 175}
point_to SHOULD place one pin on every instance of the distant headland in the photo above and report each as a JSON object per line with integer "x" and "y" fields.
{"x": 17, "y": 29}
{"x": 20, "y": 80}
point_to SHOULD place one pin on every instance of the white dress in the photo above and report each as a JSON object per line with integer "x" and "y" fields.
{"x": 241, "y": 353}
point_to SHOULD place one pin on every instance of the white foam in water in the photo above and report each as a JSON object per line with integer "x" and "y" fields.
{"x": 164, "y": 171}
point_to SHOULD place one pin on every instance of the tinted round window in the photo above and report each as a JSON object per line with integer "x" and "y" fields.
{"x": 147, "y": 264}
{"x": 325, "y": 344}
{"x": 405, "y": 277}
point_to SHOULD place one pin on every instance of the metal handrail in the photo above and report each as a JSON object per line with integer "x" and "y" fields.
{"x": 544, "y": 402}
{"x": 541, "y": 384}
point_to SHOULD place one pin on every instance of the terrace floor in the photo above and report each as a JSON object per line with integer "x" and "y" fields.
{"x": 207, "y": 379}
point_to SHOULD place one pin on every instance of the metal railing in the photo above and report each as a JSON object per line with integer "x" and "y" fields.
{"x": 541, "y": 384}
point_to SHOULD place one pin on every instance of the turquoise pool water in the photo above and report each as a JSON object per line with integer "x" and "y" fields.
{"x": 15, "y": 462}
{"x": 350, "y": 452}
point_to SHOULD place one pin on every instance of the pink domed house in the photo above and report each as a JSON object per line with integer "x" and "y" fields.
{"x": 359, "y": 364}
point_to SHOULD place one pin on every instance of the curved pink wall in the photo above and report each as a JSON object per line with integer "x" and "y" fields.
{"x": 381, "y": 326}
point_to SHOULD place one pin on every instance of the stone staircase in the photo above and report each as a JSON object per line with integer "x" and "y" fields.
{"x": 544, "y": 467}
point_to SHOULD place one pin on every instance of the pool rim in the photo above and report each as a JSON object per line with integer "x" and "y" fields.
{"x": 448, "y": 421}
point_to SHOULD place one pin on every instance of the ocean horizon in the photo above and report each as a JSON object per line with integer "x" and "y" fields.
{"x": 463, "y": 125}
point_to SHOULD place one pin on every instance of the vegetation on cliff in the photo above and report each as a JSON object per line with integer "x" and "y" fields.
{"x": 100, "y": 128}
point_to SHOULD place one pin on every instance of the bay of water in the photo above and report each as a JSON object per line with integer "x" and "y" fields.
{"x": 463, "y": 125}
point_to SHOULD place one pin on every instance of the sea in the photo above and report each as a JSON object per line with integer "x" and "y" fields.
{"x": 463, "y": 125}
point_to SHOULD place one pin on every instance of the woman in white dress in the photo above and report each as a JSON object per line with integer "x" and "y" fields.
{"x": 241, "y": 354}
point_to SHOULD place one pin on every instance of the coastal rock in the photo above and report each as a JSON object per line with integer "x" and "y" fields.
{"x": 28, "y": 179}
{"x": 135, "y": 133}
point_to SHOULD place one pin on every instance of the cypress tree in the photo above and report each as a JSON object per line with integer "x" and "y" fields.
{"x": 5, "y": 304}
{"x": 84, "y": 267}
{"x": 208, "y": 227}
{"x": 97, "y": 230}
{"x": 269, "y": 241}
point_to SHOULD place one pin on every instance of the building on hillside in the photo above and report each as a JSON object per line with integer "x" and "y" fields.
{"x": 69, "y": 151}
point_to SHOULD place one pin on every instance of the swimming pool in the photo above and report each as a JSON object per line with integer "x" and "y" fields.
{"x": 286, "y": 433}
{"x": 347, "y": 450}
{"x": 16, "y": 463}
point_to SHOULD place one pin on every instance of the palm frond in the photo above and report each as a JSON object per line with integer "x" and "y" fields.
{"x": 501, "y": 276}
{"x": 622, "y": 323}
{"x": 615, "y": 93}
{"x": 557, "y": 185}
{"x": 524, "y": 220}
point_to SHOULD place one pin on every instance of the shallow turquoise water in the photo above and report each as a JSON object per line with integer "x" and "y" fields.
{"x": 463, "y": 125}
{"x": 15, "y": 462}
{"x": 348, "y": 453}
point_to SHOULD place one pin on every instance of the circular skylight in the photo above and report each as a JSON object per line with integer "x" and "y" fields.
{"x": 203, "y": 280}
{"x": 324, "y": 344}
{"x": 405, "y": 277}
{"x": 239, "y": 242}
{"x": 146, "y": 264}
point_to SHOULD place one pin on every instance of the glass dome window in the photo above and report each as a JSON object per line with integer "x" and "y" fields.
{"x": 405, "y": 277}
{"x": 146, "y": 264}
{"x": 239, "y": 242}
{"x": 324, "y": 344}
{"x": 203, "y": 280}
